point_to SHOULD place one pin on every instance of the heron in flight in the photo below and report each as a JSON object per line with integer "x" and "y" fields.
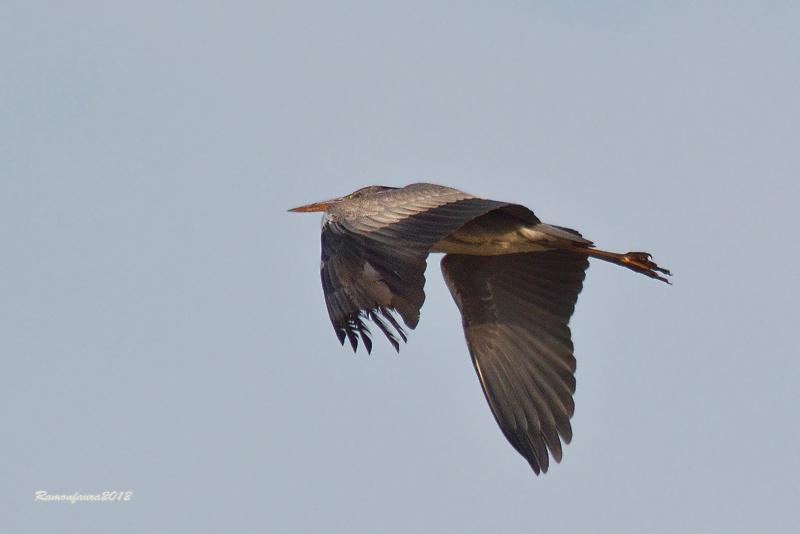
{"x": 514, "y": 279}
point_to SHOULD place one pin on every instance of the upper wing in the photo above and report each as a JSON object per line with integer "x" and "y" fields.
{"x": 374, "y": 252}
{"x": 515, "y": 310}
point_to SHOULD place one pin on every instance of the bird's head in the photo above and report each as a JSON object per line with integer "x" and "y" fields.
{"x": 322, "y": 206}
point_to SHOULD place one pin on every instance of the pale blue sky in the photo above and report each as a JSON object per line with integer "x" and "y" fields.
{"x": 164, "y": 330}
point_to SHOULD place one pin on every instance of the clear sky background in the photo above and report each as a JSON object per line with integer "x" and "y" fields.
{"x": 162, "y": 325}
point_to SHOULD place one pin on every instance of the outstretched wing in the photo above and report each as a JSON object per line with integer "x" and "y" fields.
{"x": 374, "y": 250}
{"x": 515, "y": 309}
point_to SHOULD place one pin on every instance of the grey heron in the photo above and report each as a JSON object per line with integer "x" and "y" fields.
{"x": 514, "y": 279}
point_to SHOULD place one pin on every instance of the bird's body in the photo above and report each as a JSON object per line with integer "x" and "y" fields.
{"x": 514, "y": 279}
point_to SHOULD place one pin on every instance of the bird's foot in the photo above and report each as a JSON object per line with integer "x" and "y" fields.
{"x": 641, "y": 263}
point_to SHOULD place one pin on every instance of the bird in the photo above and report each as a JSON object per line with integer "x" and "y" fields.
{"x": 514, "y": 279}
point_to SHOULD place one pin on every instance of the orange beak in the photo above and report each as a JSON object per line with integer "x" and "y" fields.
{"x": 317, "y": 206}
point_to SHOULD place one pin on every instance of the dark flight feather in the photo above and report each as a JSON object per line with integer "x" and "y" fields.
{"x": 515, "y": 309}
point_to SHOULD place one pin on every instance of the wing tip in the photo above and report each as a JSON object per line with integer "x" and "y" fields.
{"x": 353, "y": 327}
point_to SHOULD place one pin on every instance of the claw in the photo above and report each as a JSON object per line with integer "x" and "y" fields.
{"x": 640, "y": 262}
{"x": 635, "y": 261}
